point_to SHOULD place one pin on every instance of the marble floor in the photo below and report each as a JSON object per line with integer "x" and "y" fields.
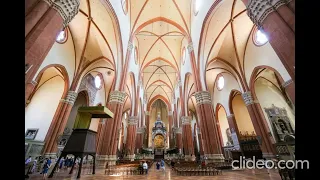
{"x": 168, "y": 175}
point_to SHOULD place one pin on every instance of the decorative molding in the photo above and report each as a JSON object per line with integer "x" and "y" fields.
{"x": 178, "y": 130}
{"x": 186, "y": 120}
{"x": 117, "y": 97}
{"x": 230, "y": 116}
{"x": 287, "y": 83}
{"x": 202, "y": 97}
{"x": 33, "y": 82}
{"x": 170, "y": 113}
{"x": 198, "y": 131}
{"x": 71, "y": 98}
{"x": 147, "y": 113}
{"x": 130, "y": 46}
{"x": 190, "y": 47}
{"x": 247, "y": 98}
{"x": 68, "y": 9}
{"x": 258, "y": 10}
{"x": 141, "y": 130}
{"x": 133, "y": 120}
{"x": 179, "y": 83}
{"x": 87, "y": 84}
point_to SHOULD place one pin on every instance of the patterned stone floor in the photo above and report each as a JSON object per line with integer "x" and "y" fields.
{"x": 169, "y": 175}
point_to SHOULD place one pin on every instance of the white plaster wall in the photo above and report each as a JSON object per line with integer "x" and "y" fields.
{"x": 222, "y": 96}
{"x": 100, "y": 96}
{"x": 262, "y": 55}
{"x": 40, "y": 111}
{"x": 241, "y": 114}
{"x": 62, "y": 54}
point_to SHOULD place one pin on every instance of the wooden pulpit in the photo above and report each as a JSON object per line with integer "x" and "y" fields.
{"x": 82, "y": 141}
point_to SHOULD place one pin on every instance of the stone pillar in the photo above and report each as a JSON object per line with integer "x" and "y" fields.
{"x": 109, "y": 140}
{"x": 289, "y": 87}
{"x": 277, "y": 22}
{"x": 209, "y": 127}
{"x": 131, "y": 136}
{"x": 234, "y": 131}
{"x": 43, "y": 21}
{"x": 187, "y": 137}
{"x": 58, "y": 124}
{"x": 30, "y": 91}
{"x": 259, "y": 125}
{"x": 178, "y": 132}
{"x": 200, "y": 142}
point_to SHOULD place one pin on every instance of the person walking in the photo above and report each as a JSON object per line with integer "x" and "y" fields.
{"x": 162, "y": 165}
{"x": 46, "y": 168}
{"x": 145, "y": 167}
{"x": 34, "y": 166}
{"x": 158, "y": 165}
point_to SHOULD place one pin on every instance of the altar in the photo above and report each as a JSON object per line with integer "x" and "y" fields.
{"x": 159, "y": 138}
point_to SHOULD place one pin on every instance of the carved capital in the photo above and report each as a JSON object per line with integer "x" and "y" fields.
{"x": 130, "y": 46}
{"x": 186, "y": 120}
{"x": 179, "y": 83}
{"x": 287, "y": 83}
{"x": 258, "y": 10}
{"x": 202, "y": 97}
{"x": 170, "y": 113}
{"x": 147, "y": 113}
{"x": 117, "y": 97}
{"x": 133, "y": 120}
{"x": 230, "y": 116}
{"x": 198, "y": 131}
{"x": 141, "y": 130}
{"x": 68, "y": 9}
{"x": 248, "y": 99}
{"x": 34, "y": 83}
{"x": 190, "y": 47}
{"x": 70, "y": 98}
{"x": 178, "y": 130}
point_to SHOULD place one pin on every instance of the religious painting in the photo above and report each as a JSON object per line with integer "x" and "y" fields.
{"x": 159, "y": 141}
{"x": 31, "y": 134}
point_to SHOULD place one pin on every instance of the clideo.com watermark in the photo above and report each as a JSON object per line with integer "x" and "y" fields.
{"x": 244, "y": 163}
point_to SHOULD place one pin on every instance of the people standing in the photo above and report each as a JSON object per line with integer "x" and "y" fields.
{"x": 46, "y": 167}
{"x": 158, "y": 165}
{"x": 34, "y": 166}
{"x": 140, "y": 168}
{"x": 28, "y": 160}
{"x": 162, "y": 165}
{"x": 145, "y": 167}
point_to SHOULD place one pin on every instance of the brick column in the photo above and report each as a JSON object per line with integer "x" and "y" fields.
{"x": 208, "y": 123}
{"x": 43, "y": 21}
{"x": 178, "y": 132}
{"x": 58, "y": 124}
{"x": 200, "y": 142}
{"x": 29, "y": 90}
{"x": 170, "y": 133}
{"x": 187, "y": 137}
{"x": 259, "y": 124}
{"x": 234, "y": 131}
{"x": 131, "y": 136}
{"x": 289, "y": 87}
{"x": 147, "y": 127}
{"x": 278, "y": 23}
{"x": 108, "y": 144}
{"x": 139, "y": 139}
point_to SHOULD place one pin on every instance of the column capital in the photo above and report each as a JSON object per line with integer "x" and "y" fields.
{"x": 230, "y": 116}
{"x": 202, "y": 97}
{"x": 178, "y": 130}
{"x": 70, "y": 98}
{"x": 130, "y": 46}
{"x": 141, "y": 130}
{"x": 34, "y": 83}
{"x": 147, "y": 113}
{"x": 248, "y": 99}
{"x": 190, "y": 47}
{"x": 117, "y": 97}
{"x": 287, "y": 83}
{"x": 170, "y": 113}
{"x": 133, "y": 120}
{"x": 179, "y": 83}
{"x": 186, "y": 120}
{"x": 258, "y": 10}
{"x": 68, "y": 9}
{"x": 198, "y": 131}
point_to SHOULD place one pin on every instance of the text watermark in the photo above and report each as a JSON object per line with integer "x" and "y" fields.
{"x": 269, "y": 164}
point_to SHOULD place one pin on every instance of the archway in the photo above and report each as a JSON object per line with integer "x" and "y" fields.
{"x": 223, "y": 126}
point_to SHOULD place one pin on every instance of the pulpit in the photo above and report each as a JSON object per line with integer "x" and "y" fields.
{"x": 82, "y": 141}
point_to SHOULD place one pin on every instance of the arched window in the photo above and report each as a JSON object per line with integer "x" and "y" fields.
{"x": 184, "y": 55}
{"x": 98, "y": 81}
{"x": 259, "y": 38}
{"x": 196, "y": 6}
{"x": 124, "y": 6}
{"x": 220, "y": 82}
{"x": 62, "y": 36}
